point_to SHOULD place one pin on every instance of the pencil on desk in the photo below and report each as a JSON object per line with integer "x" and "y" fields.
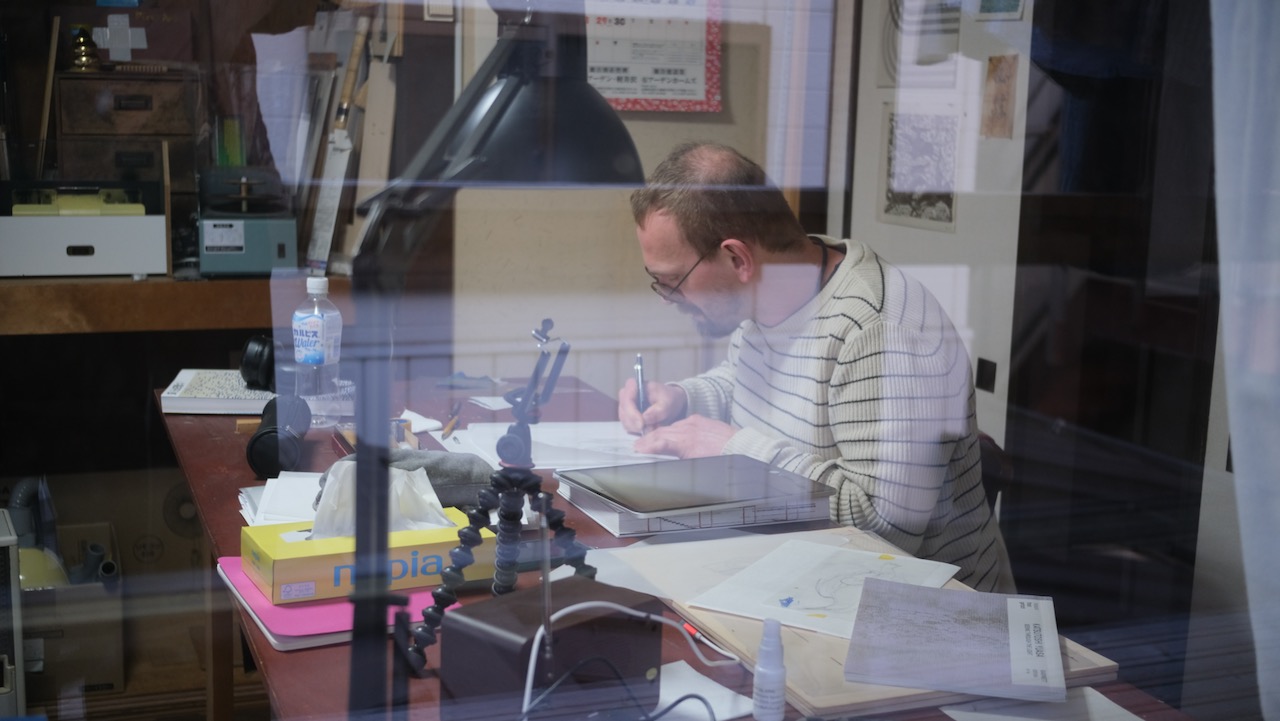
{"x": 452, "y": 423}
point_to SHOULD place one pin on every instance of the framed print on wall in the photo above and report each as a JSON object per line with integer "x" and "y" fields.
{"x": 917, "y": 186}
{"x": 655, "y": 57}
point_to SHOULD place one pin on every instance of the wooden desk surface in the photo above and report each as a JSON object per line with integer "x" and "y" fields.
{"x": 313, "y": 683}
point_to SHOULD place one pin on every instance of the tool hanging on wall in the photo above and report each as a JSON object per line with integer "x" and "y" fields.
{"x": 337, "y": 159}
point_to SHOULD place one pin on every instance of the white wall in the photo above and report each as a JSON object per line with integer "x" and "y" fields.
{"x": 972, "y": 267}
{"x": 568, "y": 255}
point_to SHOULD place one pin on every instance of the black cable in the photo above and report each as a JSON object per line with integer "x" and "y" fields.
{"x": 711, "y": 714}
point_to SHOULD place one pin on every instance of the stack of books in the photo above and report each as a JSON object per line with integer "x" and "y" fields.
{"x": 691, "y": 494}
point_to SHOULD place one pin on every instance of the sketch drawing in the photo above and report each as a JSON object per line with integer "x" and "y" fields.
{"x": 956, "y": 640}
{"x": 815, "y": 586}
{"x": 836, "y": 587}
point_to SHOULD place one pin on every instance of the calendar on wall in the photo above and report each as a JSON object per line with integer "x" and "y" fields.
{"x": 655, "y": 55}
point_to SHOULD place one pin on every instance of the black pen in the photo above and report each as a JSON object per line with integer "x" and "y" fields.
{"x": 641, "y": 401}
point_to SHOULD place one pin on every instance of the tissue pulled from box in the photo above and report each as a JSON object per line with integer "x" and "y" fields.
{"x": 456, "y": 477}
{"x": 412, "y": 502}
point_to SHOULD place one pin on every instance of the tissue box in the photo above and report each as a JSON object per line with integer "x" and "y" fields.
{"x": 287, "y": 567}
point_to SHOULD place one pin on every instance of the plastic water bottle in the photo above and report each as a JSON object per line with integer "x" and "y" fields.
{"x": 769, "y": 682}
{"x": 317, "y": 342}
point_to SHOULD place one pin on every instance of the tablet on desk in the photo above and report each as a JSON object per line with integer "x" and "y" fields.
{"x": 662, "y": 488}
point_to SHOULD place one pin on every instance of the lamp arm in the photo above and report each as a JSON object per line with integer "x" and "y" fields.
{"x": 431, "y": 165}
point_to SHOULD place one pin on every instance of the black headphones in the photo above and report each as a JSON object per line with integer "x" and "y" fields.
{"x": 258, "y": 363}
{"x": 277, "y": 444}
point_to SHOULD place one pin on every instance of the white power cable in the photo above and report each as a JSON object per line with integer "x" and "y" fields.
{"x": 541, "y": 632}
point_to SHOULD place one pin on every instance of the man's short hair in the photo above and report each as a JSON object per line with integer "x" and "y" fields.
{"x": 713, "y": 192}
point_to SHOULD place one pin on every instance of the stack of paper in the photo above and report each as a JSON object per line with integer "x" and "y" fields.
{"x": 286, "y": 499}
{"x": 986, "y": 644}
{"x": 816, "y": 684}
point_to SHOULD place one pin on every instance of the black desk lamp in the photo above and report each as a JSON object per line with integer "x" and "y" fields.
{"x": 528, "y": 117}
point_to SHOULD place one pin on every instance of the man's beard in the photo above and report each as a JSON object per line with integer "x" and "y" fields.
{"x": 707, "y": 326}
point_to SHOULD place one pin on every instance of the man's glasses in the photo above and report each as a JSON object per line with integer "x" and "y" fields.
{"x": 672, "y": 292}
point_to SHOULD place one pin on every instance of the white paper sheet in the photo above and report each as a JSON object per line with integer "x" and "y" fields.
{"x": 814, "y": 586}
{"x": 679, "y": 571}
{"x": 288, "y": 498}
{"x": 679, "y": 678}
{"x": 491, "y": 403}
{"x": 555, "y": 444}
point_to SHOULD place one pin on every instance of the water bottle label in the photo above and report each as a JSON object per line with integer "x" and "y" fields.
{"x": 332, "y": 338}
{"x": 308, "y": 339}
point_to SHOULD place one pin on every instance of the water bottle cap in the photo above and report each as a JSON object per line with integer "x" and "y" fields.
{"x": 317, "y": 284}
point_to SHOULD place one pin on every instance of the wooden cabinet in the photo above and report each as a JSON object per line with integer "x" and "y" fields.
{"x": 113, "y": 126}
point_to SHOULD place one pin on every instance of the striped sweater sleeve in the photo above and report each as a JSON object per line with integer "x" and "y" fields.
{"x": 895, "y": 414}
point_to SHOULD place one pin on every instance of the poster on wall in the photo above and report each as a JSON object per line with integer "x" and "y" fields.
{"x": 999, "y": 97}
{"x": 918, "y": 166}
{"x": 655, "y": 56}
{"x": 919, "y": 44}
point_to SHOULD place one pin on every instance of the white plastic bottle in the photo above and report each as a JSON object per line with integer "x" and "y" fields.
{"x": 317, "y": 343}
{"x": 769, "y": 678}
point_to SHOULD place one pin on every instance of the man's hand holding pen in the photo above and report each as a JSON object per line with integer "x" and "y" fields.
{"x": 666, "y": 404}
{"x": 663, "y": 427}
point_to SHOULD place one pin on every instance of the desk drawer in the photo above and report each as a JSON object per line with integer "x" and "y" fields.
{"x": 99, "y": 159}
{"x": 116, "y": 106}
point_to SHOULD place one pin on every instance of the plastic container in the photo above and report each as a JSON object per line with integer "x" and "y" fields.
{"x": 317, "y": 344}
{"x": 769, "y": 677}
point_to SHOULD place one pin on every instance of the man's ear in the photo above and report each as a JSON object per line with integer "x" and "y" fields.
{"x": 743, "y": 257}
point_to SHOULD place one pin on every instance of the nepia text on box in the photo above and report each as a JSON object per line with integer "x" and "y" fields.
{"x": 288, "y": 567}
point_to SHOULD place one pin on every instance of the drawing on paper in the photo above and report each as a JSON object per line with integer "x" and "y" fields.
{"x": 814, "y": 586}
{"x": 836, "y": 586}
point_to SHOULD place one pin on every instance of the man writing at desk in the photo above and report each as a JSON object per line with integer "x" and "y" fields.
{"x": 839, "y": 368}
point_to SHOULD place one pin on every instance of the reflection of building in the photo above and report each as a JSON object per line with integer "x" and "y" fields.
{"x": 1089, "y": 266}
{"x": 1116, "y": 322}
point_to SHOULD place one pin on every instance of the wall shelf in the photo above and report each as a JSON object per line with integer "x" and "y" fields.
{"x": 46, "y": 306}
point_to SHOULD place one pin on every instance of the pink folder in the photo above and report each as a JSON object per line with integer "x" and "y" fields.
{"x": 308, "y": 623}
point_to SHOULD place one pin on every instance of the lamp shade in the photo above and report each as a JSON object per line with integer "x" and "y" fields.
{"x": 530, "y": 115}
{"x": 553, "y": 130}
